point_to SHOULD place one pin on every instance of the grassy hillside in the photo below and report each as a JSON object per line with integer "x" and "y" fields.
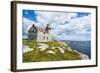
{"x": 56, "y": 51}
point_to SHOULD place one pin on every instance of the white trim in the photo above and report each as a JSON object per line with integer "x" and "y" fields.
{"x": 21, "y": 65}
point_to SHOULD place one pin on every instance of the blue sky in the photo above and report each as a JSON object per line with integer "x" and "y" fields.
{"x": 65, "y": 25}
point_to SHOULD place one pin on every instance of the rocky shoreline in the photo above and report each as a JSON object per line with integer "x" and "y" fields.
{"x": 83, "y": 56}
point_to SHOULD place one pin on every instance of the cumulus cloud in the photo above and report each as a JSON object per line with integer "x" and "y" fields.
{"x": 57, "y": 18}
{"x": 79, "y": 24}
{"x": 77, "y": 27}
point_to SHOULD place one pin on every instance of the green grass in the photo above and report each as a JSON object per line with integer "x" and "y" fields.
{"x": 40, "y": 56}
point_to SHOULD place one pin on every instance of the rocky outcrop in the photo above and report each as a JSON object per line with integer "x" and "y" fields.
{"x": 83, "y": 56}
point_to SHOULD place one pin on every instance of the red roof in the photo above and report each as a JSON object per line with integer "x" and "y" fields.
{"x": 40, "y": 29}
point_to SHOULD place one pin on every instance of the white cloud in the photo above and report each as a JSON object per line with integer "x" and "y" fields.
{"x": 53, "y": 17}
{"x": 77, "y": 23}
{"x": 76, "y": 29}
{"x": 27, "y": 23}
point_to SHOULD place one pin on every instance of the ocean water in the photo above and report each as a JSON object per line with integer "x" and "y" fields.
{"x": 81, "y": 46}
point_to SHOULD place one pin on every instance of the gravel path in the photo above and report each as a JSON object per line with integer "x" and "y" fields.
{"x": 26, "y": 49}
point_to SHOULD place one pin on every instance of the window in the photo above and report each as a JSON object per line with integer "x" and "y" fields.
{"x": 47, "y": 38}
{"x": 44, "y": 32}
{"x": 44, "y": 37}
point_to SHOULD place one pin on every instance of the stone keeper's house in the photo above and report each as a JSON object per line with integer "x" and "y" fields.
{"x": 39, "y": 34}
